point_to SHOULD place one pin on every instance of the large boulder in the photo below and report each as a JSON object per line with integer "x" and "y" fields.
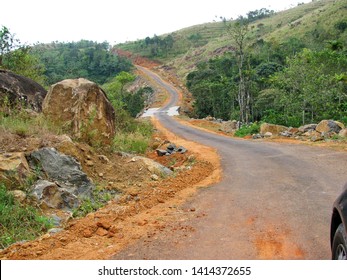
{"x": 84, "y": 106}
{"x": 343, "y": 133}
{"x": 229, "y": 126}
{"x": 272, "y": 128}
{"x": 307, "y": 127}
{"x": 19, "y": 89}
{"x": 327, "y": 126}
{"x": 63, "y": 170}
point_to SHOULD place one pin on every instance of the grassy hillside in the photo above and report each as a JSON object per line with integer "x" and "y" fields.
{"x": 314, "y": 23}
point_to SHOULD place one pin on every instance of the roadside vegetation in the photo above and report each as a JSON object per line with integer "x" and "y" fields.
{"x": 48, "y": 64}
{"x": 26, "y": 123}
{"x": 19, "y": 222}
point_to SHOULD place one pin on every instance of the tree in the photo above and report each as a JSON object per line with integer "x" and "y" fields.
{"x": 7, "y": 42}
{"x": 18, "y": 58}
{"x": 238, "y": 32}
{"x": 312, "y": 87}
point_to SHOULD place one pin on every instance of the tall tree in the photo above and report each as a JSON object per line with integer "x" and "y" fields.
{"x": 238, "y": 32}
{"x": 7, "y": 42}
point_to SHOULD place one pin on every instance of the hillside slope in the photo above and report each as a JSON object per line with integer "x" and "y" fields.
{"x": 314, "y": 23}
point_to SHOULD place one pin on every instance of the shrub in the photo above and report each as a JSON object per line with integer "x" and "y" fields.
{"x": 248, "y": 129}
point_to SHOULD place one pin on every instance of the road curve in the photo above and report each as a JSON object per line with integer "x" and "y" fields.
{"x": 274, "y": 201}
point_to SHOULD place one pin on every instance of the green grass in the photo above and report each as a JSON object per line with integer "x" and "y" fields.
{"x": 19, "y": 222}
{"x": 247, "y": 130}
{"x": 135, "y": 138}
{"x": 99, "y": 199}
{"x": 24, "y": 124}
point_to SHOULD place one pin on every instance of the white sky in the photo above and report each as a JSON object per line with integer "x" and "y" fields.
{"x": 118, "y": 21}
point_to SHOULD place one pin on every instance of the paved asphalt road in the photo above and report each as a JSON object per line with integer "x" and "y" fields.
{"x": 274, "y": 201}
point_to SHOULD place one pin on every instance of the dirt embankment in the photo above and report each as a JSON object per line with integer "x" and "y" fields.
{"x": 139, "y": 211}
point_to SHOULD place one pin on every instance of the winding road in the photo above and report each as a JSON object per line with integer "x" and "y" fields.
{"x": 274, "y": 201}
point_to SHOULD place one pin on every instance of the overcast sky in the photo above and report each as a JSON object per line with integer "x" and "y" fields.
{"x": 118, "y": 21}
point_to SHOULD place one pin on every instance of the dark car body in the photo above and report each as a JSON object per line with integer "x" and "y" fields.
{"x": 338, "y": 230}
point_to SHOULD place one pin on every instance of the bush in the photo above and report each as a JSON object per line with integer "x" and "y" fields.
{"x": 248, "y": 129}
{"x": 19, "y": 222}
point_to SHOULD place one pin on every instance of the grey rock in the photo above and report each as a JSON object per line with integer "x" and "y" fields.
{"x": 316, "y": 138}
{"x": 171, "y": 148}
{"x": 161, "y": 153}
{"x": 50, "y": 195}
{"x": 257, "y": 136}
{"x": 182, "y": 150}
{"x": 326, "y": 126}
{"x": 286, "y": 134}
{"x": 53, "y": 231}
{"x": 62, "y": 169}
{"x": 307, "y": 127}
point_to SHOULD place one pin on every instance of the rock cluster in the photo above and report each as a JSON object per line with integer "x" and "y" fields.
{"x": 60, "y": 183}
{"x": 313, "y": 132}
{"x": 171, "y": 149}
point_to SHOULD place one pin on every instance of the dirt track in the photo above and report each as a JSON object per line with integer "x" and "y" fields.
{"x": 274, "y": 202}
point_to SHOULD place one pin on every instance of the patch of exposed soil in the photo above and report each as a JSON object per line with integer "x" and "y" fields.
{"x": 137, "y": 60}
{"x": 273, "y": 244}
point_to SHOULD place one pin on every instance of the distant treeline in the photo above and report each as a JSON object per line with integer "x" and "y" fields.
{"x": 87, "y": 59}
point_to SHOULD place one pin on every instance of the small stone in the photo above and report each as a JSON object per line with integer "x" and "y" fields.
{"x": 101, "y": 231}
{"x": 101, "y": 174}
{"x": 142, "y": 223}
{"x": 53, "y": 231}
{"x": 161, "y": 153}
{"x": 63, "y": 239}
{"x": 154, "y": 177}
{"x": 87, "y": 233}
{"x": 104, "y": 224}
{"x": 120, "y": 235}
{"x": 114, "y": 229}
{"x": 19, "y": 195}
{"x": 181, "y": 150}
{"x": 89, "y": 163}
{"x": 104, "y": 159}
